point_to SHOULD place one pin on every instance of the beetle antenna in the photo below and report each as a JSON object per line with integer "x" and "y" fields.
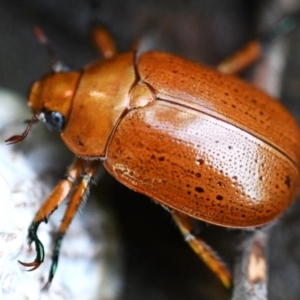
{"x": 56, "y": 65}
{"x": 18, "y": 138}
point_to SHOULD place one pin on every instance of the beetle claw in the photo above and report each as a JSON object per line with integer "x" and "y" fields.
{"x": 40, "y": 253}
{"x": 35, "y": 264}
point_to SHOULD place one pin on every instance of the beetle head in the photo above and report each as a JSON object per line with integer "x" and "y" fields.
{"x": 51, "y": 98}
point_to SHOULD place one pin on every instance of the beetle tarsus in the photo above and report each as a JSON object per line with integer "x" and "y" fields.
{"x": 55, "y": 257}
{"x": 47, "y": 285}
{"x": 284, "y": 26}
{"x": 40, "y": 252}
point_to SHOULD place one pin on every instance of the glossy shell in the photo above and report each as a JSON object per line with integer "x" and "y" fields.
{"x": 210, "y": 145}
{"x": 206, "y": 144}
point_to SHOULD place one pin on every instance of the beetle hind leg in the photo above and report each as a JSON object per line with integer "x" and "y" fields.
{"x": 202, "y": 249}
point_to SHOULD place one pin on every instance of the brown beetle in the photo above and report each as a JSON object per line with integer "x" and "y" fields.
{"x": 206, "y": 145}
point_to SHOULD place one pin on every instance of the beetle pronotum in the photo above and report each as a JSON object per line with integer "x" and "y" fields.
{"x": 205, "y": 145}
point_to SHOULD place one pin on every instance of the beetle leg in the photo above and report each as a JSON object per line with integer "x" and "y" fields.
{"x": 202, "y": 249}
{"x": 253, "y": 50}
{"x": 58, "y": 195}
{"x": 251, "y": 271}
{"x": 103, "y": 41}
{"x": 242, "y": 59}
{"x": 78, "y": 196}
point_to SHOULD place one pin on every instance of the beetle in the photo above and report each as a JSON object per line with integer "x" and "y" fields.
{"x": 205, "y": 145}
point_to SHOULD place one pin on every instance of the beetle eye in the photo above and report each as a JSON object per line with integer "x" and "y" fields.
{"x": 54, "y": 120}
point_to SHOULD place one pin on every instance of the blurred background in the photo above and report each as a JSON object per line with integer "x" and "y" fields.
{"x": 157, "y": 263}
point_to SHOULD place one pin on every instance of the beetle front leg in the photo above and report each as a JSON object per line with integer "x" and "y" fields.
{"x": 60, "y": 192}
{"x": 78, "y": 196}
{"x": 202, "y": 249}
